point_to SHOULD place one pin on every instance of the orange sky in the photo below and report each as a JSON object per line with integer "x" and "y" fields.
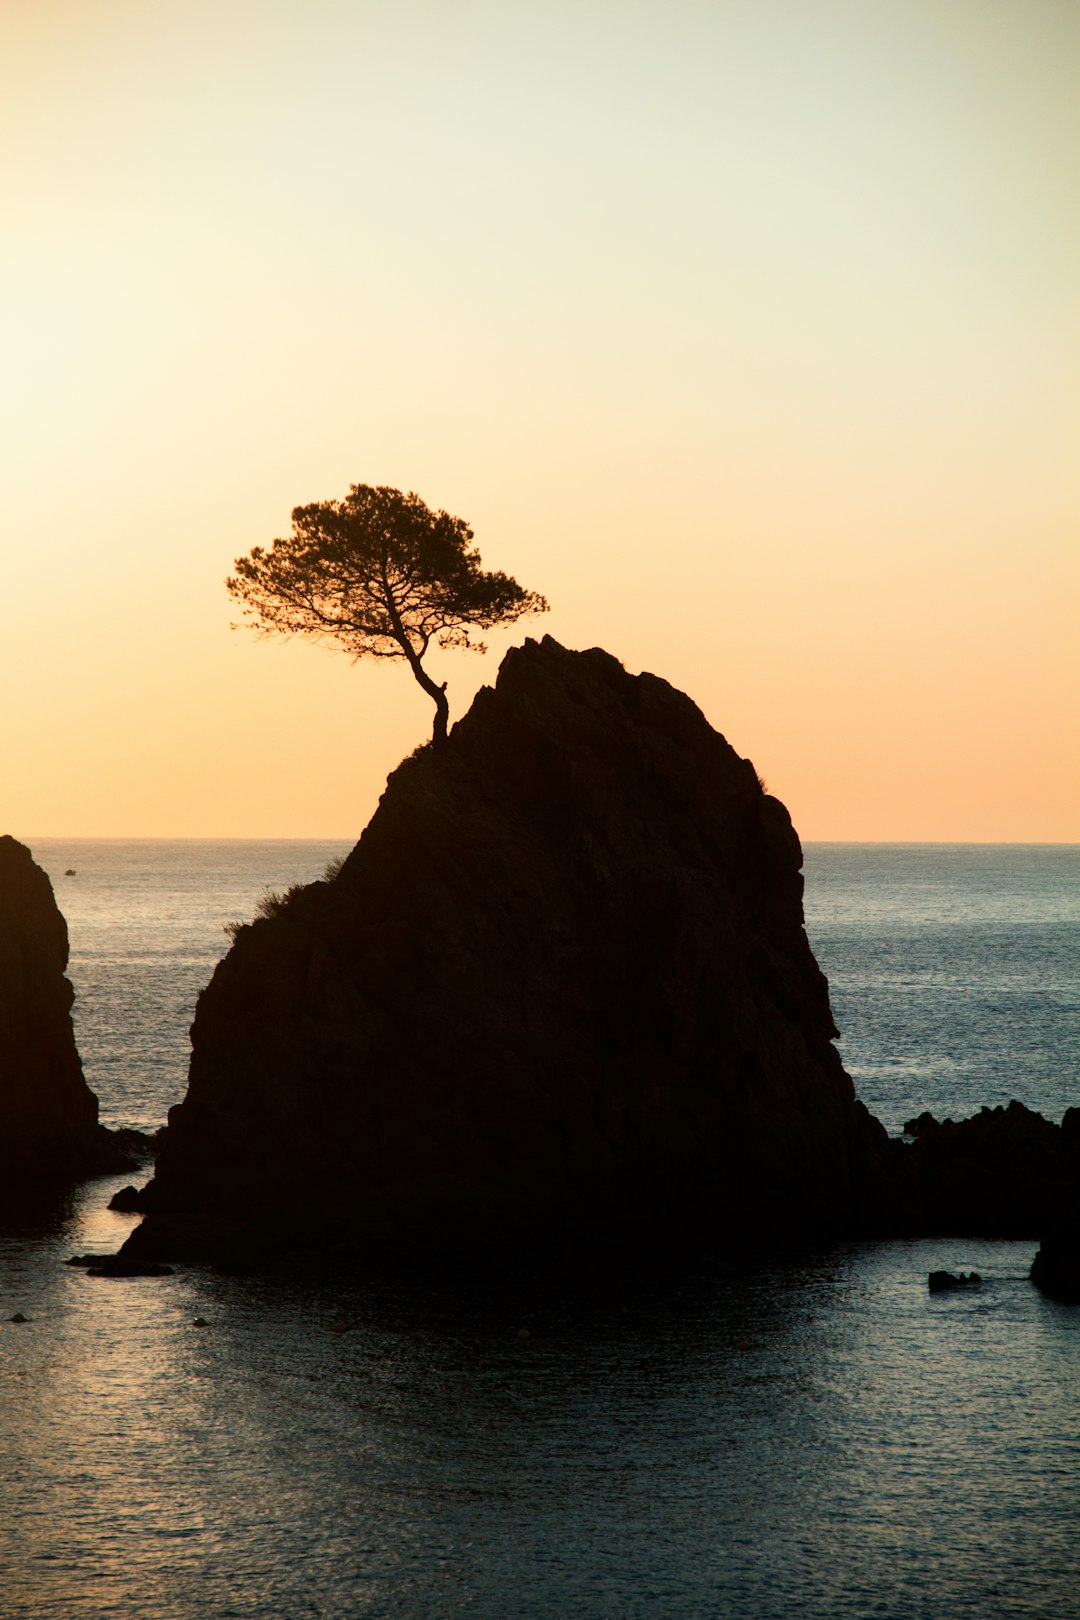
{"x": 748, "y": 333}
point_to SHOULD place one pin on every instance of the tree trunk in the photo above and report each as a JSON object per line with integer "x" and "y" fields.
{"x": 437, "y": 694}
{"x": 442, "y": 716}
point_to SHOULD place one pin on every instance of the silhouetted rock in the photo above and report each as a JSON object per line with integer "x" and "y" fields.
{"x": 119, "y": 1265}
{"x": 559, "y": 993}
{"x": 127, "y": 1200}
{"x": 921, "y": 1126}
{"x": 49, "y": 1131}
{"x": 943, "y": 1282}
{"x": 1055, "y": 1270}
{"x": 1005, "y": 1172}
{"x": 141, "y": 1145}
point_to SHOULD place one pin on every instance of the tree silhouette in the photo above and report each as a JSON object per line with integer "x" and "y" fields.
{"x": 383, "y": 576}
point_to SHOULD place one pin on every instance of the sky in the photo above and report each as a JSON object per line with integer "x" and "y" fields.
{"x": 746, "y": 331}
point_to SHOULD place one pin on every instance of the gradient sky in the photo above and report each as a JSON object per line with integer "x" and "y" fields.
{"x": 747, "y": 331}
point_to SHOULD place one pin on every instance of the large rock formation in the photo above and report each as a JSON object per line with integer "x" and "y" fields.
{"x": 560, "y": 987}
{"x": 49, "y": 1128}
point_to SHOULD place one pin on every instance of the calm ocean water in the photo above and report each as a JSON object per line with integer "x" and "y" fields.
{"x": 818, "y": 1438}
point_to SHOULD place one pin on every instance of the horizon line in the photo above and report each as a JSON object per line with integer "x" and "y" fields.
{"x": 354, "y": 838}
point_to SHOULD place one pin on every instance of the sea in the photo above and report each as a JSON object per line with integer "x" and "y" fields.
{"x": 811, "y": 1436}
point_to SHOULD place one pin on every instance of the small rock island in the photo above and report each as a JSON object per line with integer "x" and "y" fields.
{"x": 561, "y": 990}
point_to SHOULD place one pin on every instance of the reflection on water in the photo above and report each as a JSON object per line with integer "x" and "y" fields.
{"x": 821, "y": 1438}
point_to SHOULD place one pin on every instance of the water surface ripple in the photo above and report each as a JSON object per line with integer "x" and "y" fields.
{"x": 819, "y": 1438}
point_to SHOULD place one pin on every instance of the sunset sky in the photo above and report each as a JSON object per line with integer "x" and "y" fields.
{"x": 747, "y": 331}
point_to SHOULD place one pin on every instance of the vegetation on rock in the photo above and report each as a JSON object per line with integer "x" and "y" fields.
{"x": 382, "y": 576}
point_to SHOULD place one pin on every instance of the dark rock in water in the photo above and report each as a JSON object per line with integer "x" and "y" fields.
{"x": 127, "y": 1200}
{"x": 941, "y": 1282}
{"x": 117, "y": 1265}
{"x": 559, "y": 992}
{"x": 49, "y": 1131}
{"x": 1055, "y": 1270}
{"x": 1005, "y": 1172}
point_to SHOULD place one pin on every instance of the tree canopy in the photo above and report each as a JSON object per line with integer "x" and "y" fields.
{"x": 382, "y": 576}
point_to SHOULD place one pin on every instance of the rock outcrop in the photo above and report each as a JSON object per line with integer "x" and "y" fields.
{"x": 944, "y": 1282}
{"x": 49, "y": 1131}
{"x": 561, "y": 988}
{"x": 1005, "y": 1172}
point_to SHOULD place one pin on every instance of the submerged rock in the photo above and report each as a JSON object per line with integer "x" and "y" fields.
{"x": 560, "y": 991}
{"x": 116, "y": 1265}
{"x": 49, "y": 1131}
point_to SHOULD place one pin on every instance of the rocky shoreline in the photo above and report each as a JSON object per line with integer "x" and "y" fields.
{"x": 1005, "y": 1173}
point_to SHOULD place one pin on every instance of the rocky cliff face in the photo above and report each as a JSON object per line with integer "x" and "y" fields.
{"x": 48, "y": 1115}
{"x": 561, "y": 986}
